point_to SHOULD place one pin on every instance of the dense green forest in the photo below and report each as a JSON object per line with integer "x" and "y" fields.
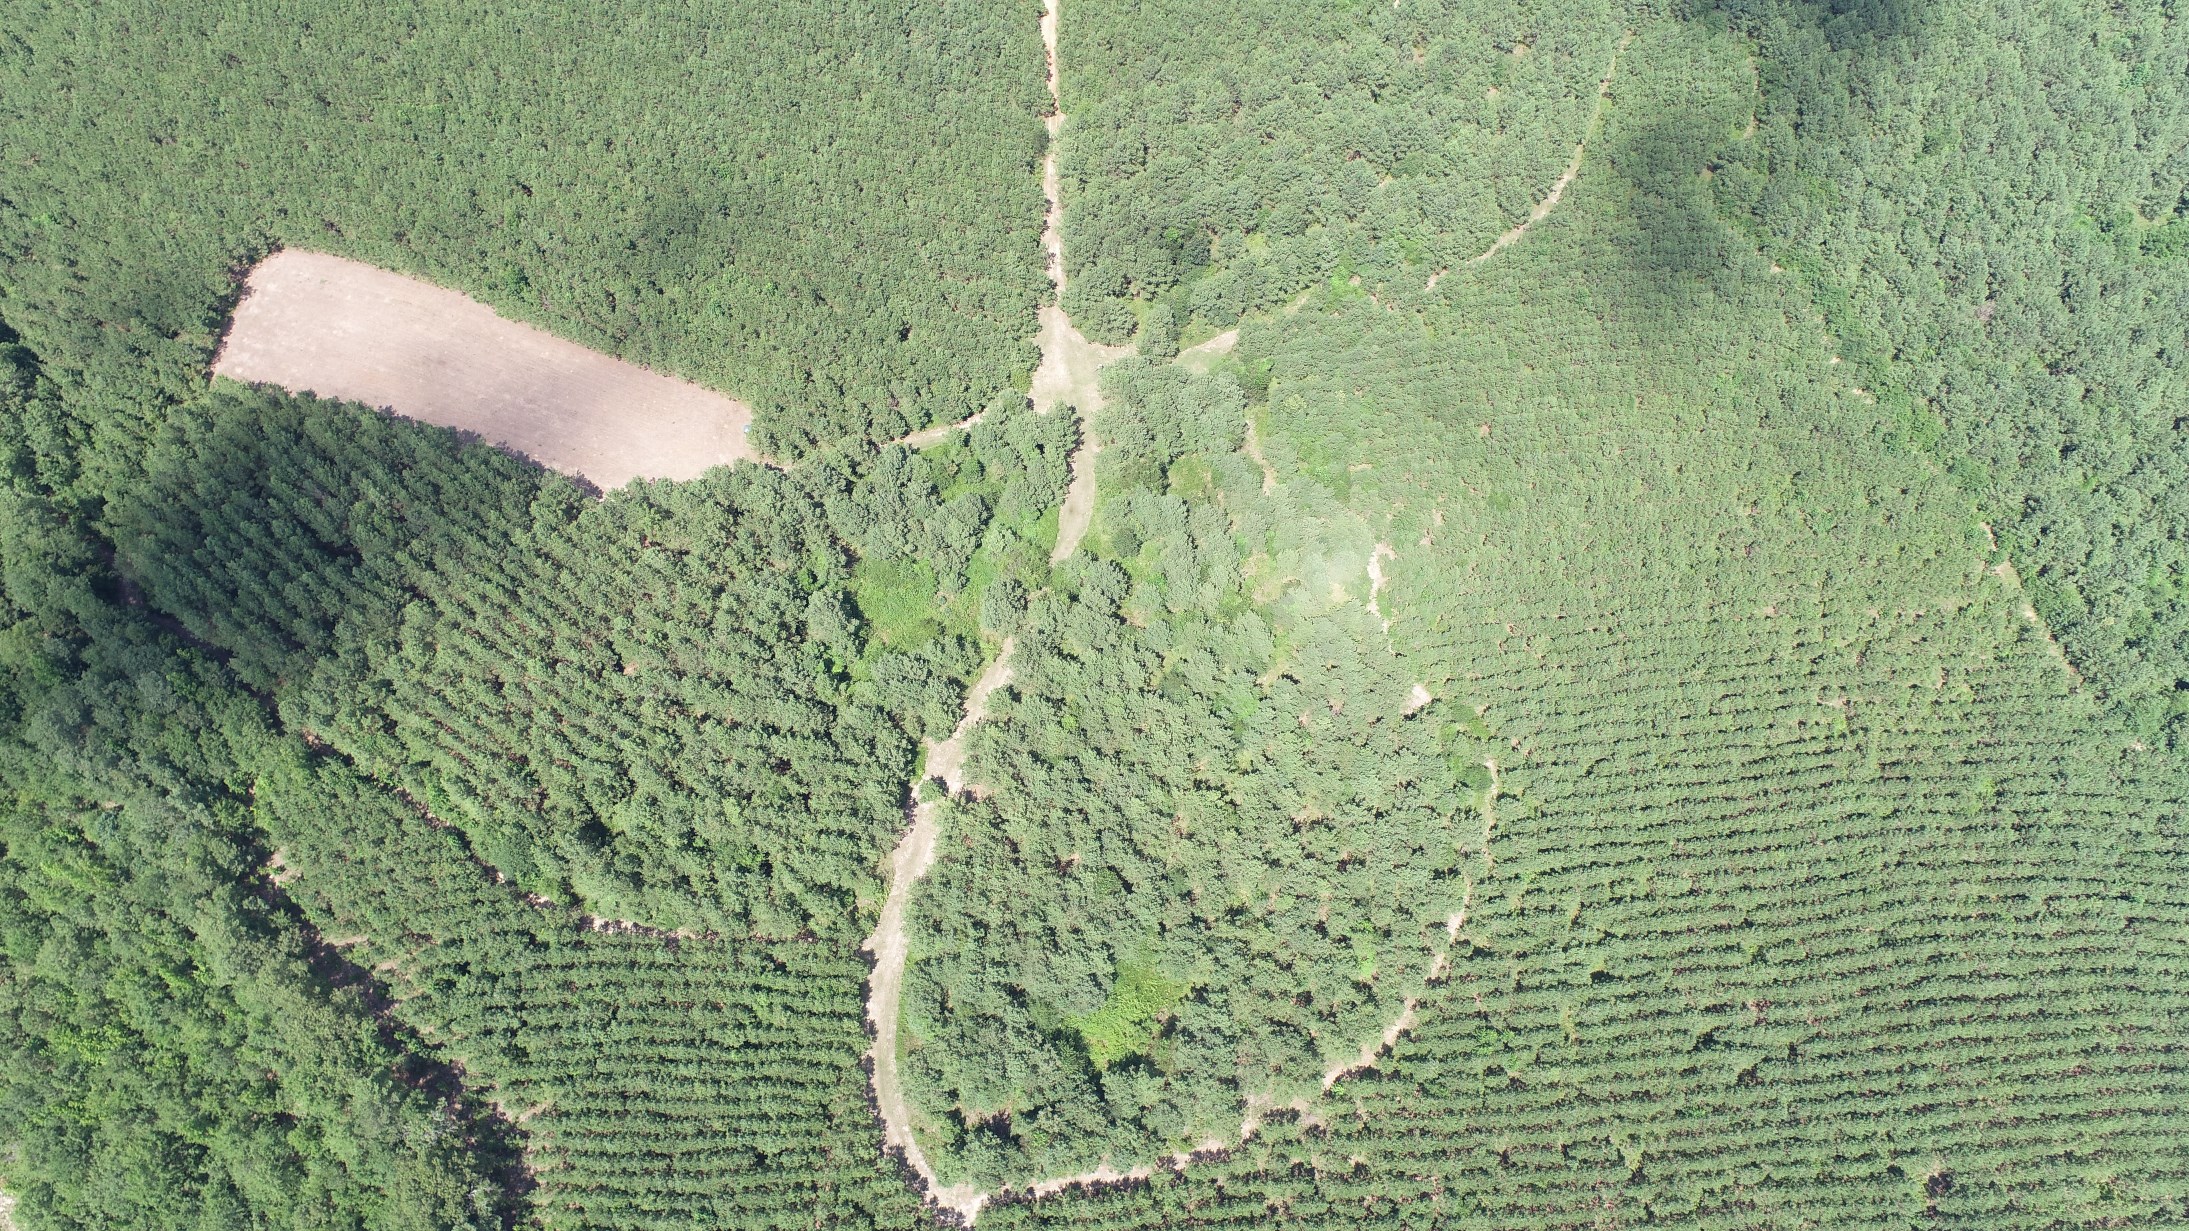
{"x": 830, "y": 211}
{"x": 204, "y": 1034}
{"x": 598, "y": 692}
{"x": 1746, "y": 783}
{"x": 263, "y": 971}
{"x": 1986, "y": 199}
{"x": 1367, "y": 139}
{"x": 1651, "y": 695}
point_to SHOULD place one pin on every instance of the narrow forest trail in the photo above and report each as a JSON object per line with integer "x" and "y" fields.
{"x": 1565, "y": 180}
{"x": 891, "y": 941}
{"x": 1201, "y": 355}
{"x": 1070, "y": 365}
{"x": 1067, "y": 376}
{"x": 940, "y": 432}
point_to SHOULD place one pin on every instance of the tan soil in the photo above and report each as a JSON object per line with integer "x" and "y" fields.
{"x": 946, "y": 760}
{"x": 890, "y": 946}
{"x": 927, "y": 436}
{"x": 1373, "y": 1051}
{"x": 310, "y": 322}
{"x": 1068, "y": 375}
{"x": 891, "y": 942}
{"x": 1202, "y": 356}
{"x": 2012, "y": 579}
{"x": 1376, "y": 580}
{"x": 1106, "y": 1174}
{"x": 1254, "y": 450}
{"x": 1489, "y": 810}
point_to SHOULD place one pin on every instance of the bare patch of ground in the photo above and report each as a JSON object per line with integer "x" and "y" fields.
{"x": 891, "y": 944}
{"x": 2005, "y": 572}
{"x": 1489, "y": 811}
{"x": 936, "y": 435}
{"x": 1106, "y": 1174}
{"x": 1202, "y": 356}
{"x": 1068, "y": 373}
{"x": 1254, "y": 450}
{"x": 310, "y": 322}
{"x": 1376, "y": 580}
{"x": 278, "y": 870}
{"x": 946, "y": 760}
{"x": 1373, "y": 1051}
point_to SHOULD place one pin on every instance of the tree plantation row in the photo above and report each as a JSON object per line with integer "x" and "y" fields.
{"x": 1675, "y": 721}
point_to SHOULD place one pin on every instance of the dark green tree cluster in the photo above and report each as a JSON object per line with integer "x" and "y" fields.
{"x": 828, "y": 210}
{"x": 1297, "y": 141}
{"x": 662, "y": 1082}
{"x": 183, "y": 1049}
{"x": 1587, "y": 671}
{"x": 692, "y": 705}
{"x": 247, "y": 985}
{"x": 1991, "y": 199}
{"x": 618, "y": 700}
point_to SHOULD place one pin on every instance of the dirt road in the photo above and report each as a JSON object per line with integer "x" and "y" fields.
{"x": 891, "y": 942}
{"x": 1070, "y": 365}
{"x": 1067, "y": 375}
{"x": 332, "y": 326}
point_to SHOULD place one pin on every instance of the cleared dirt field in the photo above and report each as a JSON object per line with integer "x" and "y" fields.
{"x": 323, "y": 324}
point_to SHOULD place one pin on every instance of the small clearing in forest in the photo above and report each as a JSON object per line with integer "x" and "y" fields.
{"x": 310, "y": 322}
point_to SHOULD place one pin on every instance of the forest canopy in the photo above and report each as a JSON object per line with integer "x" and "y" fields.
{"x": 1624, "y": 665}
{"x": 828, "y": 211}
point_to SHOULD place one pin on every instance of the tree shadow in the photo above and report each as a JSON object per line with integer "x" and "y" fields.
{"x": 1846, "y": 24}
{"x": 1677, "y": 254}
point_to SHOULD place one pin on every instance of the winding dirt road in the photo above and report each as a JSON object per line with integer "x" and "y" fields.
{"x": 1070, "y": 365}
{"x": 1068, "y": 375}
{"x": 891, "y": 942}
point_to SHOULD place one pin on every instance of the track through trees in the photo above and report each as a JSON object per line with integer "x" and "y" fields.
{"x": 1067, "y": 381}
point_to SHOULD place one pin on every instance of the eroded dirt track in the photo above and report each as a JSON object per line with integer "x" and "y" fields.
{"x": 1067, "y": 376}
{"x": 1565, "y": 179}
{"x": 891, "y": 942}
{"x": 1071, "y": 366}
{"x": 342, "y": 329}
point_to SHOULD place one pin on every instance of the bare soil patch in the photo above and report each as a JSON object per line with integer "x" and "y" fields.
{"x": 314, "y": 323}
{"x": 928, "y": 436}
{"x": 1203, "y": 356}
